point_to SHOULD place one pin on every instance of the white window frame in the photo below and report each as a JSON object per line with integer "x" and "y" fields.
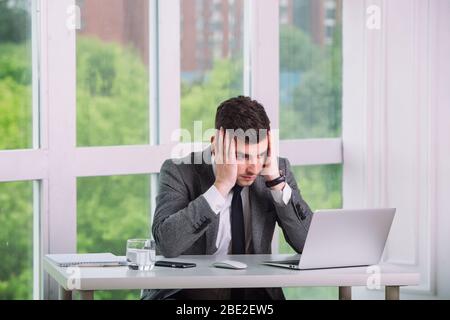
{"x": 374, "y": 62}
{"x": 55, "y": 162}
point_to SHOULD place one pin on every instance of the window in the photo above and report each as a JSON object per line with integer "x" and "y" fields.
{"x": 16, "y": 132}
{"x": 112, "y": 73}
{"x": 321, "y": 188}
{"x": 211, "y": 59}
{"x": 310, "y": 69}
{"x": 16, "y": 240}
{"x": 111, "y": 210}
{"x": 310, "y": 102}
{"x": 138, "y": 80}
{"x": 16, "y": 126}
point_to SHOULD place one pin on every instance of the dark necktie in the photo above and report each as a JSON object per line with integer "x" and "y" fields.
{"x": 237, "y": 234}
{"x": 237, "y": 222}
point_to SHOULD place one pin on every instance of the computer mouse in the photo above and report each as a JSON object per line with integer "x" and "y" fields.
{"x": 230, "y": 264}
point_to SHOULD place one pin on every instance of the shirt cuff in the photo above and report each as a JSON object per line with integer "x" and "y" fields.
{"x": 215, "y": 199}
{"x": 283, "y": 196}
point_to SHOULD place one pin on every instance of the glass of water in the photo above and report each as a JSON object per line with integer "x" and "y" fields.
{"x": 141, "y": 254}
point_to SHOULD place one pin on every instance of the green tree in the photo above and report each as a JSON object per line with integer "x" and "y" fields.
{"x": 112, "y": 109}
{"x": 200, "y": 99}
{"x": 316, "y": 111}
{"x": 297, "y": 52}
{"x": 312, "y": 108}
{"x": 16, "y": 240}
{"x": 110, "y": 209}
{"x": 112, "y": 94}
{"x": 15, "y": 21}
{"x": 15, "y": 96}
{"x": 16, "y": 198}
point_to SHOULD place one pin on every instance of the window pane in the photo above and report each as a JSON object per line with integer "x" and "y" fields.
{"x": 211, "y": 59}
{"x": 112, "y": 73}
{"x": 310, "y": 68}
{"x": 16, "y": 240}
{"x": 321, "y": 188}
{"x": 110, "y": 211}
{"x": 15, "y": 75}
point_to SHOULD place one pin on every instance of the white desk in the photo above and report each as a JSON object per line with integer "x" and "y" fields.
{"x": 87, "y": 280}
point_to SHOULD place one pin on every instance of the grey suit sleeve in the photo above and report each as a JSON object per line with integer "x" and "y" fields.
{"x": 294, "y": 227}
{"x": 178, "y": 222}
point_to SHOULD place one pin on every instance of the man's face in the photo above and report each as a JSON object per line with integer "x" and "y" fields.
{"x": 250, "y": 159}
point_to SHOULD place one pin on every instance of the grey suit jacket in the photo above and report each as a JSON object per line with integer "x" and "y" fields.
{"x": 184, "y": 223}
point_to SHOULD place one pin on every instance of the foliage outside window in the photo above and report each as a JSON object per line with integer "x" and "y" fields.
{"x": 112, "y": 109}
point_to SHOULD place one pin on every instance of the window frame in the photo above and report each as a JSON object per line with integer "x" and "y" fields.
{"x": 55, "y": 162}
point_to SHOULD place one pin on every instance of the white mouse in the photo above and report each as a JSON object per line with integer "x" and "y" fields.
{"x": 230, "y": 264}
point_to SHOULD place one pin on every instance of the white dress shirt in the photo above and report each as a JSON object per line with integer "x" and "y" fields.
{"x": 222, "y": 206}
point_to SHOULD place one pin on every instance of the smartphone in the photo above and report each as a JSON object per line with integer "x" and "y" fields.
{"x": 174, "y": 264}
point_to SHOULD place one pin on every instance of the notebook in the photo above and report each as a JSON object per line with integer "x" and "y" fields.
{"x": 87, "y": 260}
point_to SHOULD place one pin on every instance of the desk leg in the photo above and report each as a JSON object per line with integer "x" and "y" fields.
{"x": 64, "y": 294}
{"x": 345, "y": 293}
{"x": 86, "y": 295}
{"x": 392, "y": 293}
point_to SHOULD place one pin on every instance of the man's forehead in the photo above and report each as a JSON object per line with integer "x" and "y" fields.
{"x": 252, "y": 148}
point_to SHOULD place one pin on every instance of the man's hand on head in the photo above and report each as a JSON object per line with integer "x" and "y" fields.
{"x": 271, "y": 170}
{"x": 225, "y": 159}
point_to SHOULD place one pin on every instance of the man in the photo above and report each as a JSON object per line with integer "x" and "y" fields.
{"x": 227, "y": 199}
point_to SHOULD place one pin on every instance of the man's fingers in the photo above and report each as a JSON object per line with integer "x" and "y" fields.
{"x": 219, "y": 146}
{"x": 232, "y": 150}
{"x": 226, "y": 146}
{"x": 269, "y": 163}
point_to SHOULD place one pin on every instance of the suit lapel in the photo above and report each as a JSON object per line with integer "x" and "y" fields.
{"x": 257, "y": 205}
{"x": 206, "y": 178}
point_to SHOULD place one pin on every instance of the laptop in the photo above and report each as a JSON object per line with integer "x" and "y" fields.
{"x": 343, "y": 238}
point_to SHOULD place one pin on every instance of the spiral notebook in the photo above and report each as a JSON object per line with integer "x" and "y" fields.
{"x": 87, "y": 260}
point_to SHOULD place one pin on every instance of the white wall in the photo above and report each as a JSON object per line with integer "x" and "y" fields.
{"x": 396, "y": 130}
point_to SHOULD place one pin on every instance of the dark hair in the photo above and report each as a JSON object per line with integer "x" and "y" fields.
{"x": 245, "y": 114}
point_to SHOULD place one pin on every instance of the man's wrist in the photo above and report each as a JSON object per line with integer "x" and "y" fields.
{"x": 279, "y": 187}
{"x": 272, "y": 177}
{"x": 273, "y": 181}
{"x": 273, "y": 174}
{"x": 223, "y": 188}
